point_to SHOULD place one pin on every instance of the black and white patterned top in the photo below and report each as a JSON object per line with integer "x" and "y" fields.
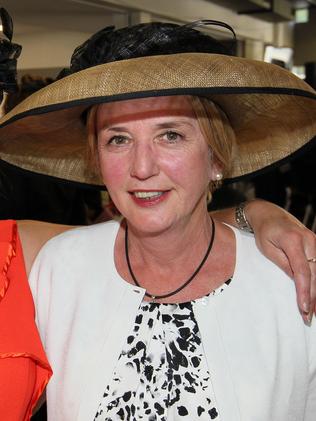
{"x": 162, "y": 372}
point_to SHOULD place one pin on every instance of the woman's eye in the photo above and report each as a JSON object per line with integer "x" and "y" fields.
{"x": 118, "y": 140}
{"x": 172, "y": 137}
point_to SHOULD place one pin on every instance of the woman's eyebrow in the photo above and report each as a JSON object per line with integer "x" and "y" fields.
{"x": 114, "y": 128}
{"x": 173, "y": 123}
{"x": 163, "y": 125}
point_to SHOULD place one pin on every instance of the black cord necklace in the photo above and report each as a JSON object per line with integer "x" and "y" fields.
{"x": 186, "y": 283}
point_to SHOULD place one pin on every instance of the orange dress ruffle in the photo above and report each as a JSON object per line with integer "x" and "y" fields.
{"x": 24, "y": 369}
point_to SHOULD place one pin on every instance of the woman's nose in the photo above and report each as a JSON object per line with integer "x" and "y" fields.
{"x": 144, "y": 161}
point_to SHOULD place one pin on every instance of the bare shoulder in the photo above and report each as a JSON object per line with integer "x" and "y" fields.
{"x": 34, "y": 234}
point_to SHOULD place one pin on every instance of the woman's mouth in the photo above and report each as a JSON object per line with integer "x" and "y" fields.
{"x": 147, "y": 195}
{"x": 149, "y": 198}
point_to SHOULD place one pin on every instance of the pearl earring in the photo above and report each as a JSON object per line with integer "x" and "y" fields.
{"x": 218, "y": 176}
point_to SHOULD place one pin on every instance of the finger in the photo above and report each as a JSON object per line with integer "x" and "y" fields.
{"x": 310, "y": 252}
{"x": 290, "y": 255}
{"x": 313, "y": 288}
{"x": 301, "y": 273}
{"x": 301, "y": 278}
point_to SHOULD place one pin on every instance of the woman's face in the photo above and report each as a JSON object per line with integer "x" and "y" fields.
{"x": 154, "y": 161}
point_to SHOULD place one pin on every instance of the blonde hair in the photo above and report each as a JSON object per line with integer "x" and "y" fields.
{"x": 218, "y": 133}
{"x": 214, "y": 125}
{"x": 92, "y": 150}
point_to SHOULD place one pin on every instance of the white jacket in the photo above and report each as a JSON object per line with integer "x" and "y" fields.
{"x": 261, "y": 356}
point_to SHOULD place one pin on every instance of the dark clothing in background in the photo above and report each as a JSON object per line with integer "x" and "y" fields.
{"x": 25, "y": 196}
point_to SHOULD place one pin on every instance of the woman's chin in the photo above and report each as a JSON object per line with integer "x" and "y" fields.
{"x": 150, "y": 225}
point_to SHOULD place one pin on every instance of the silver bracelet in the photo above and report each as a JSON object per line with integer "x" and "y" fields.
{"x": 241, "y": 219}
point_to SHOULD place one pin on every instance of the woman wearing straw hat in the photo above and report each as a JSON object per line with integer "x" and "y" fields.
{"x": 167, "y": 314}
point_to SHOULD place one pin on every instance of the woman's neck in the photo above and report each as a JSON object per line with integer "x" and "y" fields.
{"x": 162, "y": 263}
{"x": 173, "y": 247}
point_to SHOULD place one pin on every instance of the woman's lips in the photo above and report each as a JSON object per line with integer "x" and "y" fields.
{"x": 149, "y": 198}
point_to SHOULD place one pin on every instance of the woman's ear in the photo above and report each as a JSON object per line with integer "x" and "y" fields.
{"x": 216, "y": 177}
{"x": 216, "y": 172}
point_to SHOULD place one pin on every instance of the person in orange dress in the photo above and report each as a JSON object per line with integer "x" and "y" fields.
{"x": 24, "y": 369}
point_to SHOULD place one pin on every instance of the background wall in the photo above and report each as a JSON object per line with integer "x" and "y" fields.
{"x": 305, "y": 40}
{"x": 49, "y": 31}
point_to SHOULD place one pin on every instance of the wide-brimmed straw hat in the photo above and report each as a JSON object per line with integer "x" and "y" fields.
{"x": 272, "y": 112}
